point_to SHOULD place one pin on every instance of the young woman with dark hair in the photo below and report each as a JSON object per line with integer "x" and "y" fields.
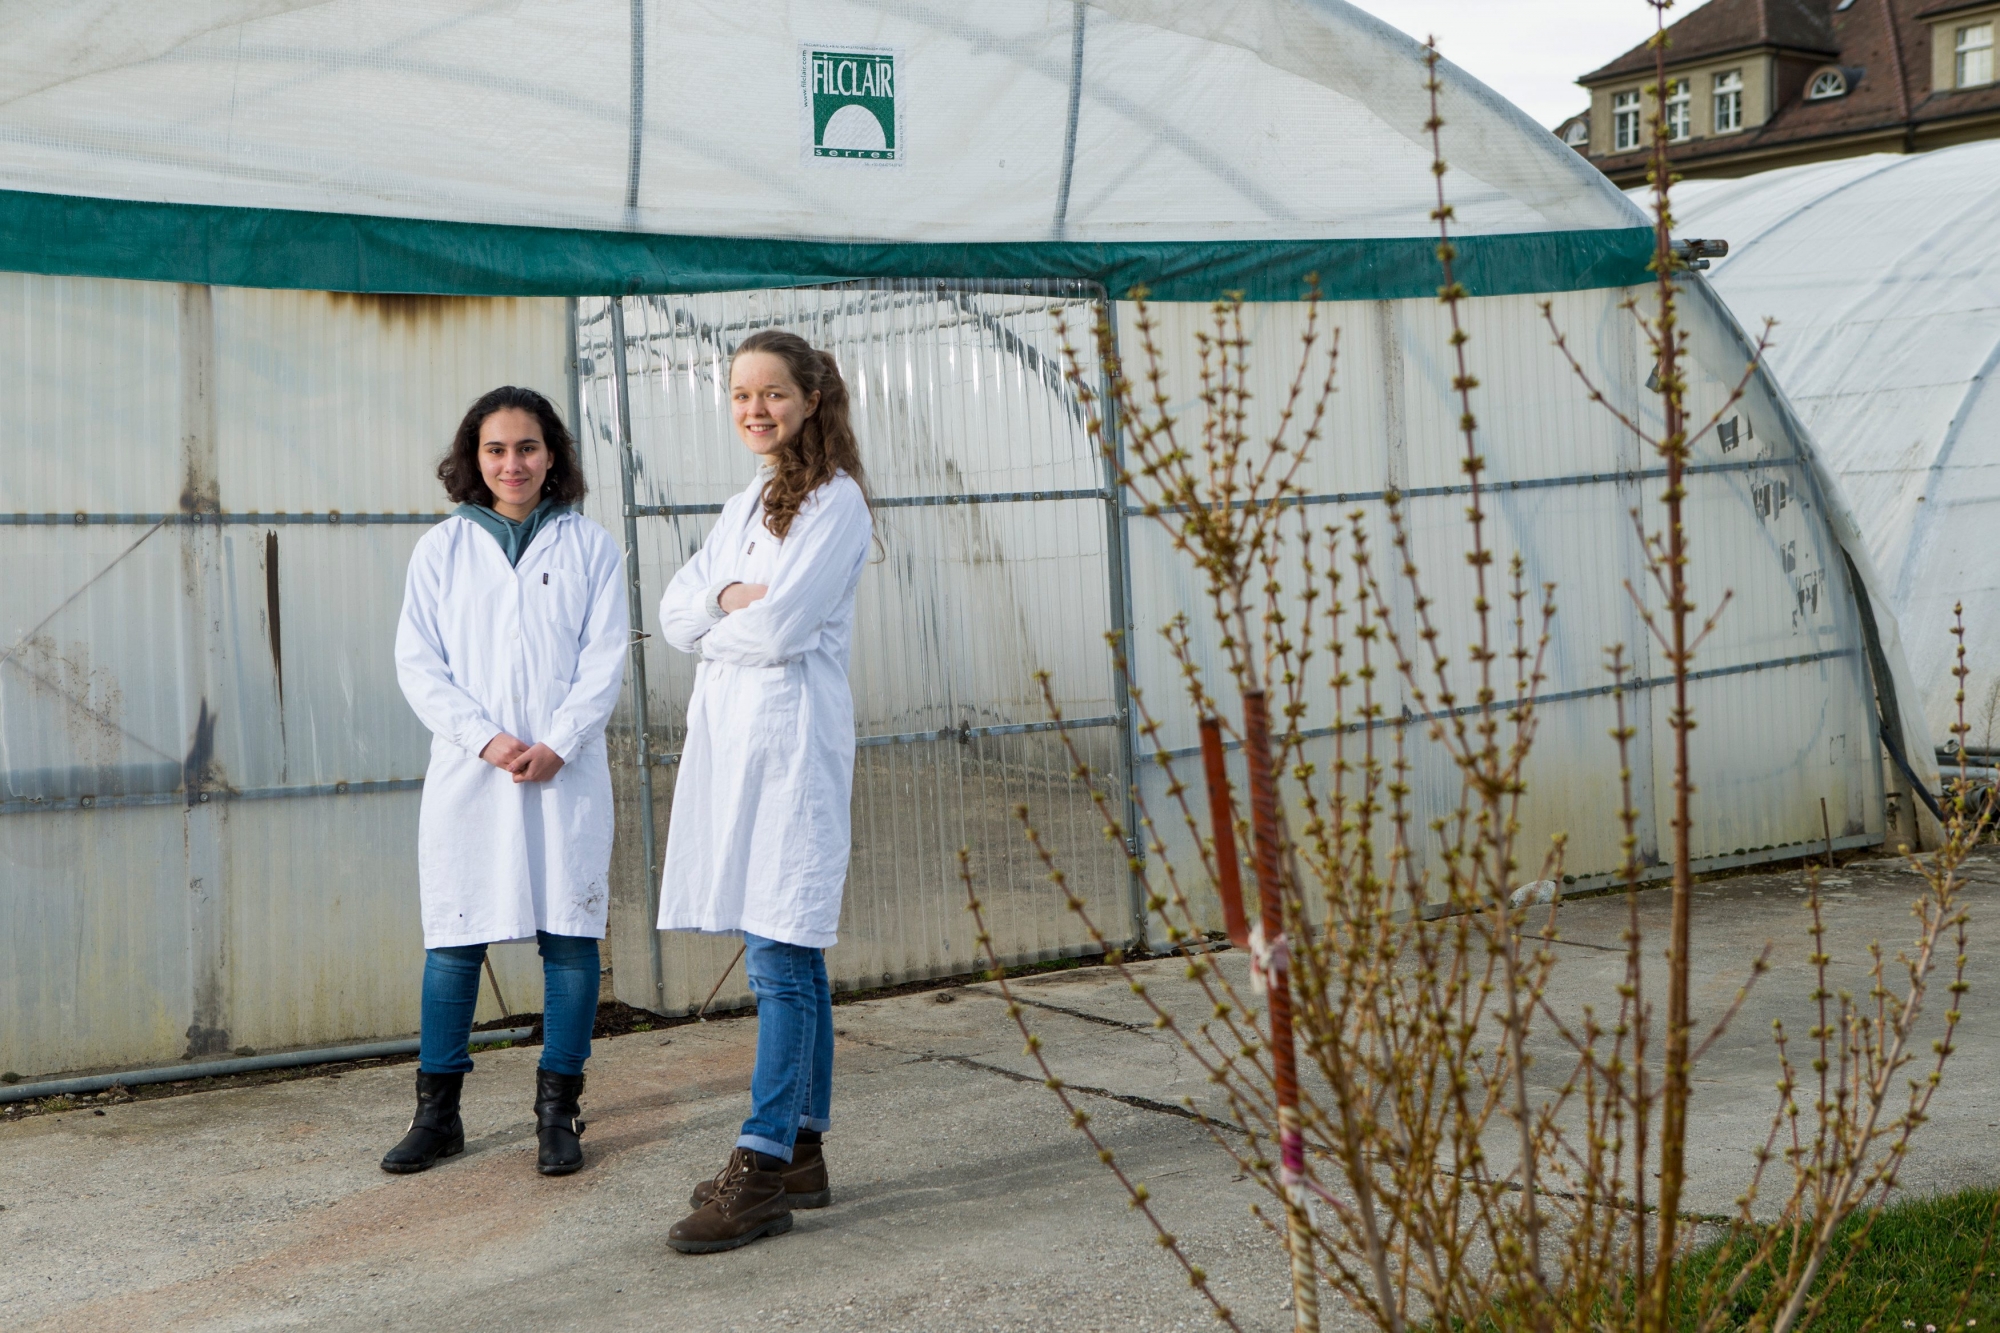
{"x": 511, "y": 650}
{"x": 759, "y": 839}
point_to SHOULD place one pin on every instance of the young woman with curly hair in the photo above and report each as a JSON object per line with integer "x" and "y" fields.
{"x": 758, "y": 842}
{"x": 511, "y": 650}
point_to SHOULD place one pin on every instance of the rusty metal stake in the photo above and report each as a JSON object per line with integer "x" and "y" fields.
{"x": 700, "y": 1015}
{"x": 494, "y": 977}
{"x": 1222, "y": 815}
{"x": 1268, "y": 859}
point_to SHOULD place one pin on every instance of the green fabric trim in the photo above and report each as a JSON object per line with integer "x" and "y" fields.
{"x": 346, "y": 252}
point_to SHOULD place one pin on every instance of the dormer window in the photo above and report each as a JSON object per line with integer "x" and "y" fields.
{"x": 1974, "y": 55}
{"x": 1734, "y": 100}
{"x": 1578, "y": 133}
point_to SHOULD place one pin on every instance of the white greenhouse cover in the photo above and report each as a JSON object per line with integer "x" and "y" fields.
{"x": 1883, "y": 273}
{"x": 1219, "y": 135}
{"x": 234, "y": 239}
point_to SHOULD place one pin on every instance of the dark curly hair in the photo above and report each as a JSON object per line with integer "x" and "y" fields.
{"x": 459, "y": 471}
{"x": 825, "y": 444}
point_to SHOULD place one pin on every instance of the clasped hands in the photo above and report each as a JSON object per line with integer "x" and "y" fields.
{"x": 538, "y": 763}
{"x": 528, "y": 763}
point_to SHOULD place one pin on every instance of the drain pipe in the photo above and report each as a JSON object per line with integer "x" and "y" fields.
{"x": 249, "y": 1064}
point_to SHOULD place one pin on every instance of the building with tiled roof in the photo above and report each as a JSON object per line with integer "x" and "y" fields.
{"x": 1756, "y": 84}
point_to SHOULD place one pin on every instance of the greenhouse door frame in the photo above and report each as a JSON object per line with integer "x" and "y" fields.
{"x": 1118, "y": 581}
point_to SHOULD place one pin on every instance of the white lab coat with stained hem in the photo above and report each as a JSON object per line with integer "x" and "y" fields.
{"x": 538, "y": 651}
{"x": 760, "y": 831}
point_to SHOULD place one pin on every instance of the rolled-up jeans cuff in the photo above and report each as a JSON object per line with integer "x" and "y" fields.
{"x": 817, "y": 1124}
{"x": 769, "y": 1147}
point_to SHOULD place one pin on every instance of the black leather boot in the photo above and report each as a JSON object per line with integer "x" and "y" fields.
{"x": 556, "y": 1122}
{"x": 436, "y": 1132}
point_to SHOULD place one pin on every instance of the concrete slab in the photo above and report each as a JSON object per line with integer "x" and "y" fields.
{"x": 963, "y": 1198}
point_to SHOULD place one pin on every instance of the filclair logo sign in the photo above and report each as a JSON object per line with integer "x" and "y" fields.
{"x": 851, "y": 108}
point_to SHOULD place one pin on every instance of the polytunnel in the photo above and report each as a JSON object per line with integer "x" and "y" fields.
{"x": 257, "y": 256}
{"x": 1881, "y": 274}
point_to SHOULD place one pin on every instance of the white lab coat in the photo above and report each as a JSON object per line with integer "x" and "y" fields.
{"x": 760, "y": 833}
{"x": 537, "y": 651}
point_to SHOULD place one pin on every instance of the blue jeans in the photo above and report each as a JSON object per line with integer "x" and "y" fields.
{"x": 569, "y": 1004}
{"x": 792, "y": 1086}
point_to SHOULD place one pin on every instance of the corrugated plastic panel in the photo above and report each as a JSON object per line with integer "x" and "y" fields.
{"x": 192, "y": 713}
{"x": 1784, "y": 704}
{"x": 248, "y": 662}
{"x": 955, "y": 394}
{"x": 92, "y": 692}
{"x": 295, "y": 434}
{"x": 94, "y": 939}
{"x": 89, "y": 395}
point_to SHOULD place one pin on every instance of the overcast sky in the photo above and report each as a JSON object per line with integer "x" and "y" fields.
{"x": 1529, "y": 50}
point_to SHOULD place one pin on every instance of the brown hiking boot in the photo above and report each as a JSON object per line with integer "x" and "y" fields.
{"x": 805, "y": 1180}
{"x": 747, "y": 1204}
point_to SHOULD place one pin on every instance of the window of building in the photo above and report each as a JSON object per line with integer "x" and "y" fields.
{"x": 1680, "y": 108}
{"x": 1625, "y": 121}
{"x": 1578, "y": 133}
{"x": 1729, "y": 101}
{"x": 1975, "y": 55}
{"x": 1828, "y": 83}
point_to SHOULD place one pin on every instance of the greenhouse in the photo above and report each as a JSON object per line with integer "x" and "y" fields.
{"x": 256, "y": 258}
{"x": 1884, "y": 281}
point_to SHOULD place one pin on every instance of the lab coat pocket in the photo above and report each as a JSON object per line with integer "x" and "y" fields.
{"x": 775, "y": 689}
{"x": 560, "y": 602}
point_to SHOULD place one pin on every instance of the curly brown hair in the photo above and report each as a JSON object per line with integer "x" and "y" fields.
{"x": 459, "y": 470}
{"x": 824, "y": 447}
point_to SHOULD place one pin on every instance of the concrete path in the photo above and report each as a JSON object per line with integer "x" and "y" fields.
{"x": 963, "y": 1199}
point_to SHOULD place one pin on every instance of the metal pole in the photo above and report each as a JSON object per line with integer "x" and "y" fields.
{"x": 635, "y": 604}
{"x": 575, "y": 378}
{"x": 249, "y": 1064}
{"x": 1118, "y": 556}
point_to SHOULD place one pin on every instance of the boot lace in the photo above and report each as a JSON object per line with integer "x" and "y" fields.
{"x": 730, "y": 1180}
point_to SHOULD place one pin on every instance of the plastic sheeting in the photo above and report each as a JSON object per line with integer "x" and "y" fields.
{"x": 993, "y": 562}
{"x": 1884, "y": 277}
{"x": 1191, "y": 119}
{"x": 997, "y": 563}
{"x": 560, "y": 147}
{"x": 208, "y": 777}
{"x": 1782, "y": 690}
{"x": 209, "y": 844}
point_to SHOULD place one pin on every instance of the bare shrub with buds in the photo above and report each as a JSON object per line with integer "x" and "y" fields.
{"x": 1377, "y": 1077}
